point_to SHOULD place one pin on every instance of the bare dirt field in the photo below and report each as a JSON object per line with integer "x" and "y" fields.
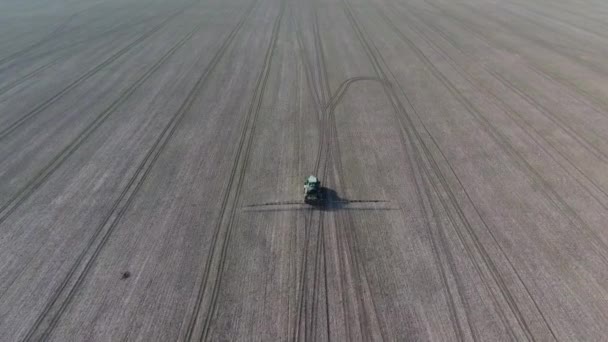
{"x": 152, "y": 157}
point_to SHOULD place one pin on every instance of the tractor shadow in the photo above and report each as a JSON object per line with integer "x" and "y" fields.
{"x": 331, "y": 201}
{"x": 328, "y": 201}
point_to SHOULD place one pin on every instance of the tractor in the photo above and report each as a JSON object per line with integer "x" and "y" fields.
{"x": 312, "y": 190}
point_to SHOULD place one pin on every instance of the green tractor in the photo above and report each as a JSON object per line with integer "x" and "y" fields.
{"x": 312, "y": 190}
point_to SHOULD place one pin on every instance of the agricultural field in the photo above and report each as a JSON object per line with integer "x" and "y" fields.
{"x": 153, "y": 155}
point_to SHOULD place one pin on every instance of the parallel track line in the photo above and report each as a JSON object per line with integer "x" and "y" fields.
{"x": 47, "y": 103}
{"x": 42, "y": 175}
{"x": 399, "y": 109}
{"x": 243, "y": 151}
{"x": 126, "y": 198}
{"x": 551, "y": 194}
{"x": 513, "y": 113}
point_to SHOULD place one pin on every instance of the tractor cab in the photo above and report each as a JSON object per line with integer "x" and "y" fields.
{"x": 312, "y": 190}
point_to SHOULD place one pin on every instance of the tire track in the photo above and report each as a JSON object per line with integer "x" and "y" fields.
{"x": 25, "y": 192}
{"x": 351, "y": 238}
{"x": 323, "y": 76}
{"x": 594, "y": 150}
{"x": 5, "y": 62}
{"x": 350, "y": 241}
{"x": 57, "y": 30}
{"x": 322, "y": 95}
{"x": 598, "y": 152}
{"x": 564, "y": 33}
{"x": 581, "y": 16}
{"x": 346, "y": 243}
{"x": 46, "y": 38}
{"x": 335, "y": 99}
{"x": 318, "y": 95}
{"x": 550, "y": 194}
{"x": 30, "y": 75}
{"x": 513, "y": 113}
{"x": 510, "y": 111}
{"x": 580, "y": 138}
{"x": 293, "y": 241}
{"x": 489, "y": 264}
{"x": 584, "y": 97}
{"x": 241, "y": 159}
{"x": 24, "y": 51}
{"x": 420, "y": 186}
{"x": 449, "y": 297}
{"x": 323, "y": 81}
{"x": 499, "y": 281}
{"x": 496, "y": 242}
{"x": 301, "y": 303}
{"x": 557, "y": 19}
{"x": 319, "y": 168}
{"x": 7, "y": 209}
{"x": 307, "y": 66}
{"x": 324, "y": 250}
{"x": 8, "y": 87}
{"x": 317, "y": 274}
{"x": 597, "y": 187}
{"x": 71, "y": 284}
{"x": 330, "y": 131}
{"x": 320, "y": 239}
{"x": 44, "y": 105}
